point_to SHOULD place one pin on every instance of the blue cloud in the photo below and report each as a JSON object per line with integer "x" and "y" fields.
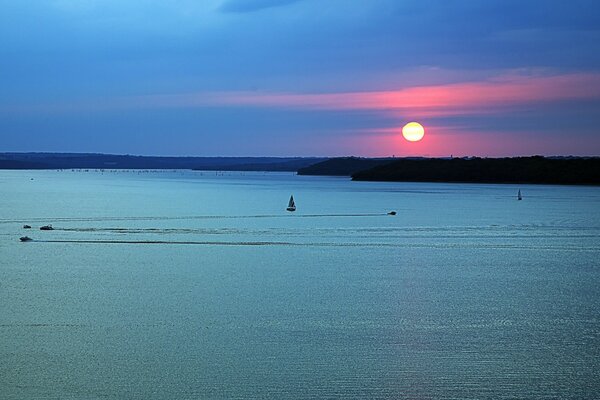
{"x": 244, "y": 6}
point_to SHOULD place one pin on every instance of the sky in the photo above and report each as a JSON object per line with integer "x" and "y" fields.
{"x": 300, "y": 77}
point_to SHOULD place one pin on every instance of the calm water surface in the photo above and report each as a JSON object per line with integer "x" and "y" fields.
{"x": 175, "y": 285}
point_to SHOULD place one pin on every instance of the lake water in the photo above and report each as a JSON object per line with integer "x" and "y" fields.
{"x": 176, "y": 285}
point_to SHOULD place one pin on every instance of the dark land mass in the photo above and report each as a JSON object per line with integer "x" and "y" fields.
{"x": 344, "y": 166}
{"x": 537, "y": 169}
{"x": 272, "y": 165}
{"x": 18, "y": 164}
{"x": 109, "y": 161}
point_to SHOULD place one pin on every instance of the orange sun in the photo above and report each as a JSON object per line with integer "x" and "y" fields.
{"x": 413, "y": 131}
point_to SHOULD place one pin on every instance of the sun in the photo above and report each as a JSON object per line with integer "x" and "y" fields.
{"x": 413, "y": 131}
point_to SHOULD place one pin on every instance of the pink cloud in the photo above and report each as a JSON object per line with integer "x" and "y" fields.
{"x": 488, "y": 96}
{"x": 434, "y": 100}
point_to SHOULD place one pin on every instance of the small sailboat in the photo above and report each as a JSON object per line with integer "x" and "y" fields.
{"x": 519, "y": 197}
{"x": 291, "y": 205}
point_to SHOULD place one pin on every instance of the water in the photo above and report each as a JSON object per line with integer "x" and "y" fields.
{"x": 165, "y": 285}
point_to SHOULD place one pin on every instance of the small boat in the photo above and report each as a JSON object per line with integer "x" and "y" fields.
{"x": 291, "y": 205}
{"x": 46, "y": 228}
{"x": 26, "y": 226}
{"x": 25, "y": 239}
{"x": 392, "y": 213}
{"x": 519, "y": 197}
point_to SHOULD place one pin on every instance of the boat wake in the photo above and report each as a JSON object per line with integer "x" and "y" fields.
{"x": 188, "y": 217}
{"x": 444, "y": 246}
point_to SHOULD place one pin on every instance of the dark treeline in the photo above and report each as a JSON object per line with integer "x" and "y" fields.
{"x": 19, "y": 164}
{"x": 292, "y": 165}
{"x": 109, "y": 161}
{"x": 343, "y": 166}
{"x": 537, "y": 169}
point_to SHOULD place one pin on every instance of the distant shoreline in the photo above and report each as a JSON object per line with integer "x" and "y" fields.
{"x": 111, "y": 161}
{"x": 516, "y": 170}
{"x": 508, "y": 170}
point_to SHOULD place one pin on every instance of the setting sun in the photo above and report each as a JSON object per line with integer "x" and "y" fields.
{"x": 413, "y": 131}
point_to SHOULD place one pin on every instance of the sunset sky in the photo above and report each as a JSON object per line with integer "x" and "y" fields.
{"x": 300, "y": 77}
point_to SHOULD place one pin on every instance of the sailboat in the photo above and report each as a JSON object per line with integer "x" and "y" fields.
{"x": 519, "y": 197}
{"x": 291, "y": 205}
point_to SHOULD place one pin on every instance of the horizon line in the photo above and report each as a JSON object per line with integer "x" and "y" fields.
{"x": 304, "y": 157}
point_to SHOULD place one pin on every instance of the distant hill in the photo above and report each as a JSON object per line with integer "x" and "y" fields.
{"x": 344, "y": 166}
{"x": 268, "y": 165}
{"x": 110, "y": 161}
{"x": 18, "y": 164}
{"x": 537, "y": 169}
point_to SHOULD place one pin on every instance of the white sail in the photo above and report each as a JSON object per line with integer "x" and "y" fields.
{"x": 291, "y": 205}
